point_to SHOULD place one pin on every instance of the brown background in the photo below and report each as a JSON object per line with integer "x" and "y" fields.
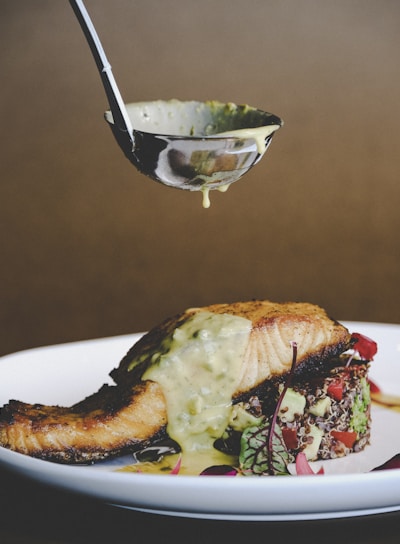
{"x": 90, "y": 248}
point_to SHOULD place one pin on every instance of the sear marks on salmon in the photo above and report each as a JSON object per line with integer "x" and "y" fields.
{"x": 132, "y": 413}
{"x": 106, "y": 424}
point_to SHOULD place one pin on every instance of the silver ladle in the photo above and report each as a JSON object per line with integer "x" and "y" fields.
{"x": 188, "y": 145}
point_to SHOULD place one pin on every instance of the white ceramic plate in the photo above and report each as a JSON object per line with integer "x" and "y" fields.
{"x": 66, "y": 373}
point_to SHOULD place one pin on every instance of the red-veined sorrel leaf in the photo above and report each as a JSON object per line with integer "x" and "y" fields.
{"x": 263, "y": 448}
{"x": 257, "y": 458}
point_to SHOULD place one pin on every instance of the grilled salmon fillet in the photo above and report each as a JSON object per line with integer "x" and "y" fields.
{"x": 132, "y": 413}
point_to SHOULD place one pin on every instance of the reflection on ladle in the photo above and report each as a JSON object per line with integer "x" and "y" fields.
{"x": 197, "y": 146}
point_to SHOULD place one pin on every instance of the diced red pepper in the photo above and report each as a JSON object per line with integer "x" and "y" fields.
{"x": 290, "y": 438}
{"x": 365, "y": 346}
{"x": 373, "y": 387}
{"x": 335, "y": 389}
{"x": 348, "y": 438}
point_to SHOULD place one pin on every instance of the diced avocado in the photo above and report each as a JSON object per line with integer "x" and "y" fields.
{"x": 359, "y": 414}
{"x": 365, "y": 391}
{"x": 311, "y": 450}
{"x": 293, "y": 403}
{"x": 240, "y": 418}
{"x": 321, "y": 407}
{"x": 359, "y": 417}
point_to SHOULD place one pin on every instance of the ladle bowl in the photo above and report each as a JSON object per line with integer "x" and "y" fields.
{"x": 195, "y": 145}
{"x": 188, "y": 145}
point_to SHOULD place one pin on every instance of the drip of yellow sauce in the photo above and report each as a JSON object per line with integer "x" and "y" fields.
{"x": 206, "y": 196}
{"x": 206, "y": 193}
{"x": 199, "y": 375}
{"x": 191, "y": 463}
{"x": 259, "y": 134}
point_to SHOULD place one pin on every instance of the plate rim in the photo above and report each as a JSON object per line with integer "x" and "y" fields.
{"x": 33, "y": 468}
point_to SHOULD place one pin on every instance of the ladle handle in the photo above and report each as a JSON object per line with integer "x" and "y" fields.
{"x": 117, "y": 106}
